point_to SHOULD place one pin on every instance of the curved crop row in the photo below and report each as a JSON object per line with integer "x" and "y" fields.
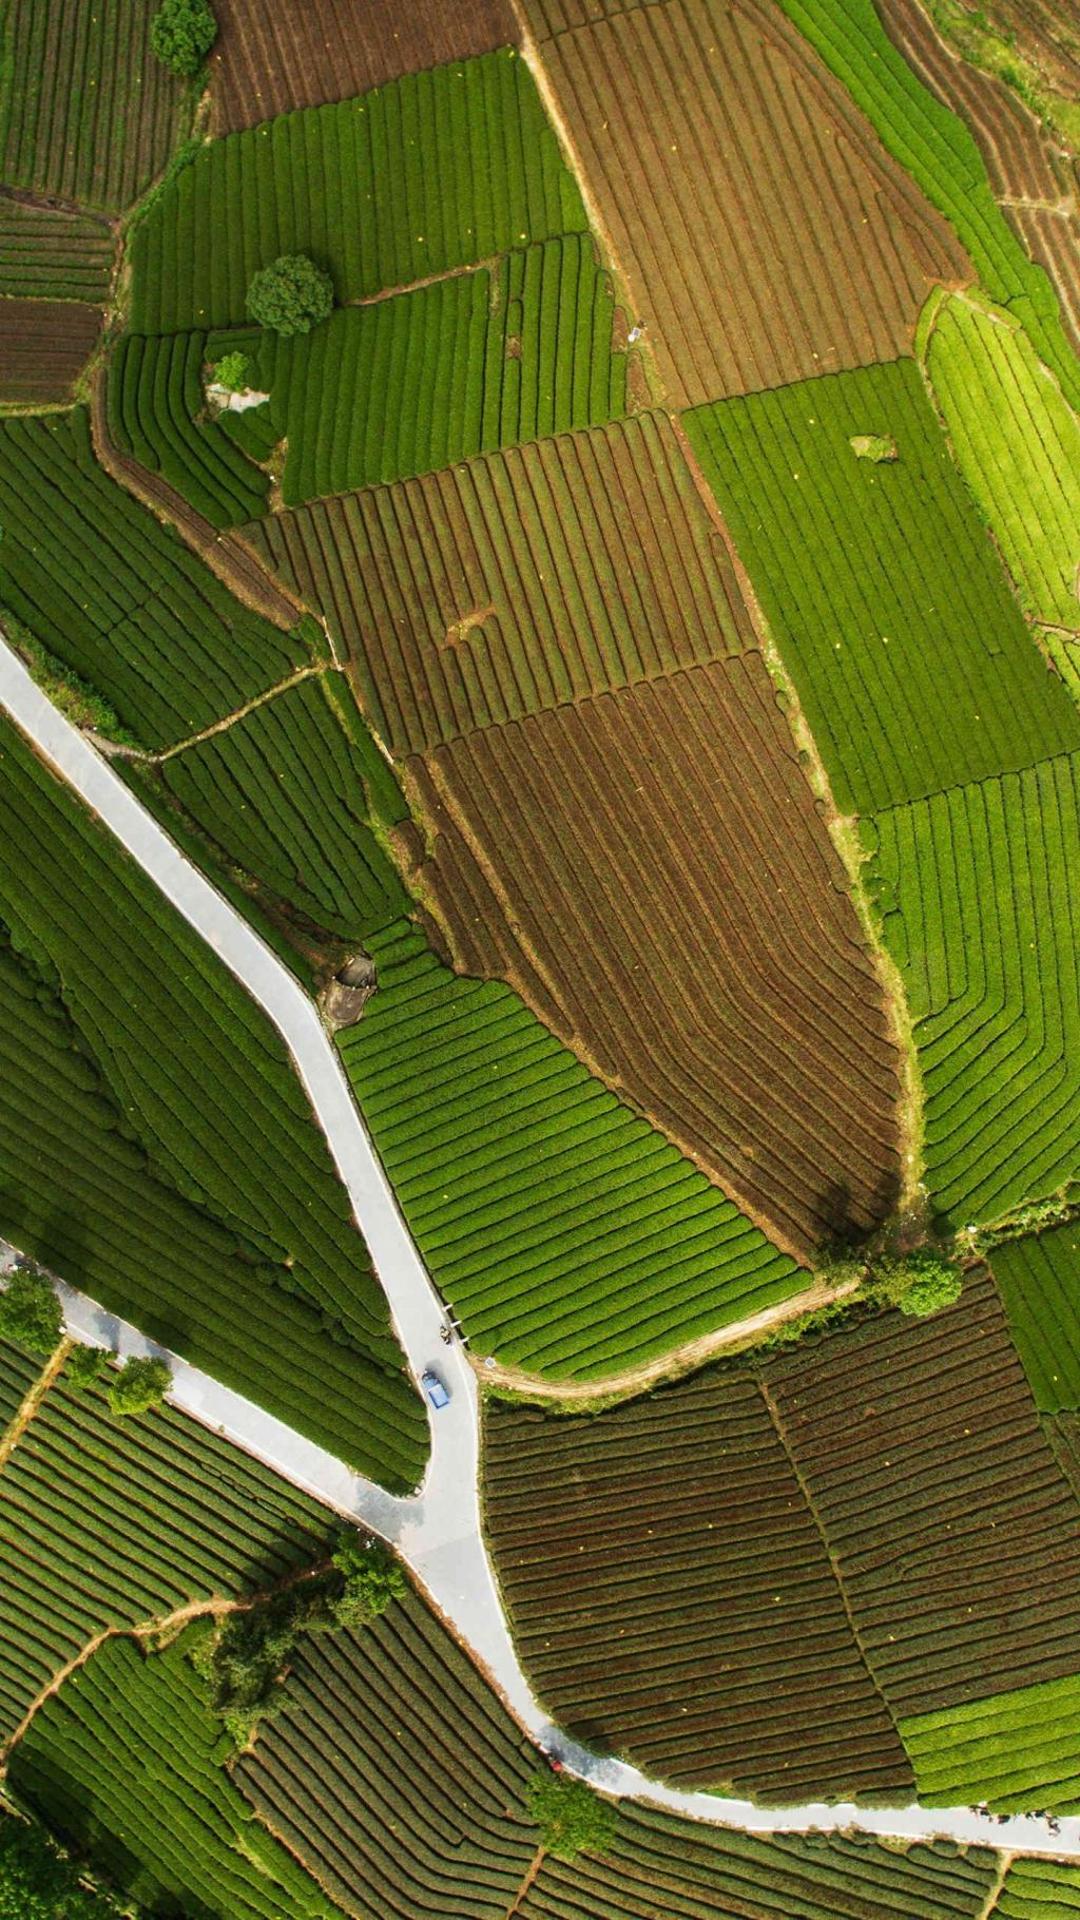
{"x": 117, "y": 597}
{"x": 1017, "y": 442}
{"x": 570, "y": 1236}
{"x": 672, "y": 1598}
{"x": 124, "y": 1764}
{"x": 470, "y": 363}
{"x": 885, "y": 595}
{"x": 438, "y": 170}
{"x": 111, "y": 1523}
{"x": 203, "y": 1080}
{"x": 155, "y": 400}
{"x": 978, "y": 897}
{"x": 518, "y": 582}
{"x": 18, "y": 1371}
{"x": 389, "y": 1735}
{"x": 687, "y": 1871}
{"x": 1039, "y": 1890}
{"x": 1015, "y": 1750}
{"x": 79, "y": 1195}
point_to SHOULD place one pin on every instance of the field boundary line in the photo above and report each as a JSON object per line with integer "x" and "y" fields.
{"x": 1005, "y": 1860}
{"x": 532, "y": 54}
{"x": 162, "y": 754}
{"x": 675, "y": 1363}
{"x": 910, "y": 1106}
{"x": 778, "y": 1427}
{"x": 33, "y": 1398}
{"x": 531, "y": 1872}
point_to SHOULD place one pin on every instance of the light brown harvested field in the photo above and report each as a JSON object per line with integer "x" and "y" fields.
{"x": 547, "y": 17}
{"x": 763, "y": 232}
{"x": 516, "y": 582}
{"x": 44, "y": 345}
{"x": 672, "y": 1597}
{"x": 954, "y": 1530}
{"x": 274, "y": 55}
{"x": 649, "y": 870}
{"x": 1021, "y": 160}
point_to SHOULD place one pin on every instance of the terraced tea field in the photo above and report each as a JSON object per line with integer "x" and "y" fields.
{"x": 87, "y": 113}
{"x": 674, "y": 1602}
{"x": 569, "y": 1235}
{"x": 438, "y": 170}
{"x": 1039, "y": 1279}
{"x": 668, "y": 958}
{"x": 269, "y": 61}
{"x": 457, "y": 601}
{"x": 44, "y": 345}
{"x": 463, "y": 365}
{"x": 187, "y": 1066}
{"x": 395, "y": 1776}
{"x": 47, "y": 254}
{"x": 116, "y": 597}
{"x": 130, "y": 1748}
{"x": 758, "y": 223}
{"x": 110, "y": 1524}
{"x": 978, "y": 911}
{"x": 907, "y": 650}
{"x": 155, "y": 400}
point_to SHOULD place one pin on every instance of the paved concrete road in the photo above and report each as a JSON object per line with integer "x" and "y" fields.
{"x": 438, "y": 1529}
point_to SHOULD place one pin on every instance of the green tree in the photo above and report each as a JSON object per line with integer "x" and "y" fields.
{"x": 921, "y": 1283}
{"x": 182, "y": 33}
{"x": 233, "y": 372}
{"x": 30, "y": 1312}
{"x": 372, "y": 1579}
{"x": 85, "y": 1366}
{"x": 139, "y": 1385}
{"x": 571, "y": 1818}
{"x": 38, "y": 1882}
{"x": 292, "y": 295}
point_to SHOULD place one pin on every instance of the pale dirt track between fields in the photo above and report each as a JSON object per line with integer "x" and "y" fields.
{"x": 671, "y": 1365}
{"x": 438, "y": 1529}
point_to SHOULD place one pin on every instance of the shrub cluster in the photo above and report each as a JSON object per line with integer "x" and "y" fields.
{"x": 30, "y": 1312}
{"x": 182, "y": 33}
{"x": 571, "y": 1818}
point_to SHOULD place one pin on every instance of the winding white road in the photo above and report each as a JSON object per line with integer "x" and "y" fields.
{"x": 438, "y": 1529}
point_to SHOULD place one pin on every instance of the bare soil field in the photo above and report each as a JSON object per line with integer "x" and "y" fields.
{"x": 516, "y": 582}
{"x": 44, "y": 345}
{"x": 954, "y": 1530}
{"x": 1034, "y": 182}
{"x": 274, "y": 55}
{"x": 673, "y": 1599}
{"x": 763, "y": 233}
{"x": 648, "y": 869}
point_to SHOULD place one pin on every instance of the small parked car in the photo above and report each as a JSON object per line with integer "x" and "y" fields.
{"x": 433, "y": 1387}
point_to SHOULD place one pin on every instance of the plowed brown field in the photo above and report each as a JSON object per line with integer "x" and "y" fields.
{"x": 764, "y": 233}
{"x": 1021, "y": 160}
{"x": 517, "y": 582}
{"x": 953, "y": 1528}
{"x": 672, "y": 1596}
{"x": 649, "y": 870}
{"x": 274, "y": 55}
{"x": 44, "y": 345}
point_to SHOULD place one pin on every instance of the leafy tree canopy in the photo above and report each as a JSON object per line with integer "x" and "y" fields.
{"x": 922, "y": 1282}
{"x": 85, "y": 1365}
{"x": 139, "y": 1385}
{"x": 30, "y": 1312}
{"x": 182, "y": 33}
{"x": 291, "y": 295}
{"x": 233, "y": 372}
{"x": 571, "y": 1818}
{"x": 38, "y": 1882}
{"x": 372, "y": 1579}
